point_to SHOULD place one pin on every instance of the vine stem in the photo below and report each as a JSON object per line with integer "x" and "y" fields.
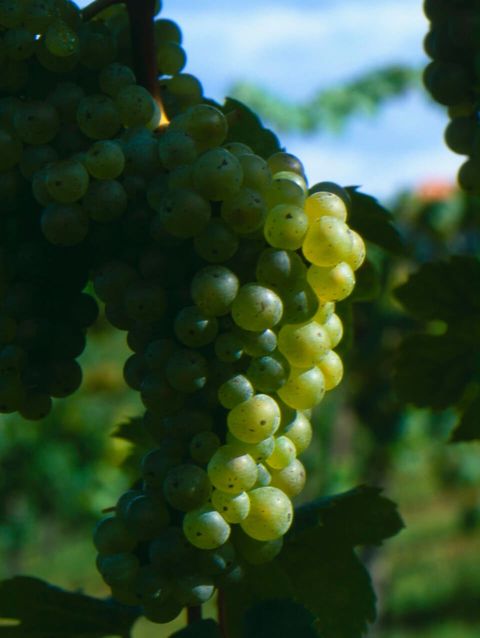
{"x": 222, "y": 616}
{"x": 194, "y": 614}
{"x": 92, "y": 9}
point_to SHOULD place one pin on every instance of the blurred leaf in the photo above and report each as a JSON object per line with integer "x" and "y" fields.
{"x": 244, "y": 126}
{"x": 469, "y": 427}
{"x": 444, "y": 290}
{"x": 45, "y": 611}
{"x": 200, "y": 629}
{"x": 434, "y": 371}
{"x": 332, "y": 108}
{"x": 374, "y": 222}
{"x": 368, "y": 284}
{"x": 358, "y": 517}
{"x": 279, "y": 619}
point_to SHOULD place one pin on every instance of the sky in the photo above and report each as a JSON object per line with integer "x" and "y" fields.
{"x": 295, "y": 47}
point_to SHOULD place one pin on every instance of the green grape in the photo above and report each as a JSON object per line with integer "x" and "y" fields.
{"x": 35, "y": 406}
{"x": 324, "y": 312}
{"x": 216, "y": 243}
{"x": 299, "y": 305}
{"x": 186, "y": 487}
{"x": 157, "y": 354}
{"x": 256, "y": 174}
{"x": 11, "y": 13}
{"x": 284, "y": 453}
{"x": 186, "y": 371}
{"x": 98, "y": 117}
{"x": 323, "y": 204}
{"x": 61, "y": 40}
{"x": 117, "y": 317}
{"x": 180, "y": 177}
{"x": 105, "y": 160}
{"x": 217, "y": 174}
{"x": 169, "y": 550}
{"x": 185, "y": 88}
{"x": 299, "y": 431}
{"x": 228, "y": 347}
{"x": 64, "y": 224}
{"x": 39, "y": 14}
{"x": 238, "y": 149}
{"x": 258, "y": 451}
{"x": 258, "y": 344}
{"x": 97, "y": 45}
{"x": 193, "y": 589}
{"x": 159, "y": 396}
{"x": 33, "y": 158}
{"x": 135, "y": 105}
{"x": 358, "y": 253}
{"x": 171, "y": 58}
{"x": 256, "y": 552}
{"x": 67, "y": 181}
{"x": 231, "y": 471}
{"x": 280, "y": 269}
{"x": 282, "y": 161}
{"x": 150, "y": 587}
{"x": 331, "y": 284}
{"x": 215, "y": 562}
{"x": 119, "y": 570}
{"x": 245, "y": 211}
{"x": 111, "y": 536}
{"x": 144, "y": 301}
{"x": 176, "y": 148}
{"x": 124, "y": 501}
{"x": 254, "y": 419}
{"x": 14, "y": 76}
{"x": 156, "y": 464}
{"x": 114, "y": 77}
{"x": 270, "y": 516}
{"x": 233, "y": 507}
{"x": 327, "y": 242}
{"x": 66, "y": 97}
{"x": 105, "y": 200}
{"x": 145, "y": 518}
{"x": 54, "y": 63}
{"x": 332, "y": 369}
{"x": 12, "y": 360}
{"x": 140, "y": 149}
{"x": 334, "y": 327}
{"x": 19, "y": 43}
{"x": 193, "y": 328}
{"x": 183, "y": 213}
{"x": 167, "y": 31}
{"x": 256, "y": 308}
{"x": 290, "y": 479}
{"x": 303, "y": 344}
{"x": 208, "y": 127}
{"x": 286, "y": 227}
{"x": 10, "y": 150}
{"x": 285, "y": 191}
{"x": 268, "y": 373}
{"x": 36, "y": 122}
{"x": 203, "y": 446}
{"x": 111, "y": 280}
{"x": 213, "y": 290}
{"x": 263, "y": 476}
{"x": 235, "y": 390}
{"x": 304, "y": 388}
{"x": 134, "y": 371}
{"x": 164, "y": 611}
{"x": 205, "y": 528}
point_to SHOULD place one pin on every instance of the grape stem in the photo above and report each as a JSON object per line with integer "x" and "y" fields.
{"x": 194, "y": 614}
{"x": 92, "y": 9}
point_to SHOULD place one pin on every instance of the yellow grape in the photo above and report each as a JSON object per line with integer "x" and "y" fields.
{"x": 332, "y": 368}
{"x": 304, "y": 388}
{"x": 331, "y": 284}
{"x": 328, "y": 241}
{"x": 320, "y": 204}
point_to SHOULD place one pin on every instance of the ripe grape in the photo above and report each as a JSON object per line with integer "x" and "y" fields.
{"x": 270, "y": 515}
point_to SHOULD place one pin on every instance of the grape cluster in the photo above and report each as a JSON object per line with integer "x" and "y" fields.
{"x": 218, "y": 264}
{"x": 452, "y": 78}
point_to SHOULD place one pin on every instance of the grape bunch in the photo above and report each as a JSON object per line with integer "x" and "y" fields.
{"x": 219, "y": 264}
{"x": 452, "y": 78}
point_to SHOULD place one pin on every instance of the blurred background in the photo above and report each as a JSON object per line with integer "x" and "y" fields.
{"x": 339, "y": 81}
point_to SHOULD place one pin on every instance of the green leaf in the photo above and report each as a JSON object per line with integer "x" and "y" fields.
{"x": 374, "y": 222}
{"x": 469, "y": 427}
{"x": 200, "y": 629}
{"x": 434, "y": 371}
{"x": 244, "y": 126}
{"x": 279, "y": 619}
{"x": 45, "y": 611}
{"x": 444, "y": 290}
{"x": 368, "y": 284}
{"x": 330, "y": 581}
{"x": 361, "y": 516}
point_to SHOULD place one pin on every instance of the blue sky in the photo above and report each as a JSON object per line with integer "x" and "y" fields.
{"x": 295, "y": 47}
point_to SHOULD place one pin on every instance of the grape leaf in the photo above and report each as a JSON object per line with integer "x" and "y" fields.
{"x": 279, "y": 619}
{"x": 200, "y": 629}
{"x": 434, "y": 370}
{"x": 368, "y": 284}
{"x": 361, "y": 516}
{"x": 45, "y": 611}
{"x": 468, "y": 428}
{"x": 373, "y": 222}
{"x": 444, "y": 290}
{"x": 244, "y": 126}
